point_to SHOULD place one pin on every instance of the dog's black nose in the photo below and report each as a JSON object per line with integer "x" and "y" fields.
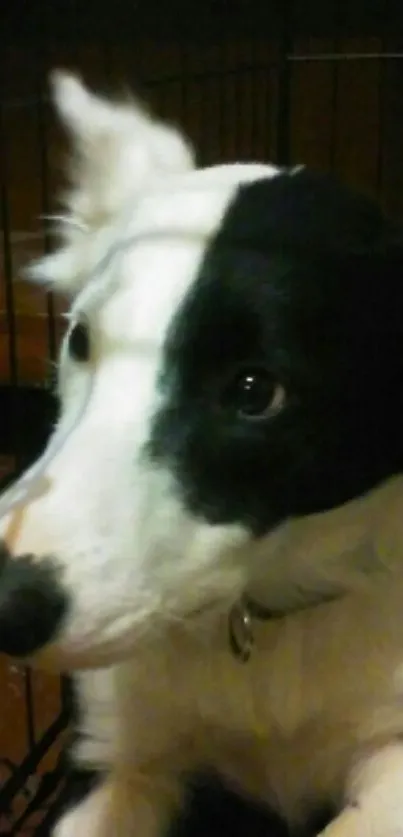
{"x": 32, "y": 604}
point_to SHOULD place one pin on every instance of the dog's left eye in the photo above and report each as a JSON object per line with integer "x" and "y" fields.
{"x": 253, "y": 393}
{"x": 79, "y": 342}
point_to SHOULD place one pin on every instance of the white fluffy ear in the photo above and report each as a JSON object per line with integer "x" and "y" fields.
{"x": 119, "y": 149}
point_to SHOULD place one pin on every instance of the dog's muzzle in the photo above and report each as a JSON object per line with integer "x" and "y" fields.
{"x": 32, "y": 604}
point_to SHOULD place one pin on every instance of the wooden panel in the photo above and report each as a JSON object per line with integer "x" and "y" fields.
{"x": 312, "y": 100}
{"x": 357, "y": 131}
{"x": 14, "y": 738}
{"x": 391, "y": 145}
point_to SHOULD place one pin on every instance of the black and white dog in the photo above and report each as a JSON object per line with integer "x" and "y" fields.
{"x": 213, "y": 539}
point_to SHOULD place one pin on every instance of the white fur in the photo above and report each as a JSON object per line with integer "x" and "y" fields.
{"x": 318, "y": 710}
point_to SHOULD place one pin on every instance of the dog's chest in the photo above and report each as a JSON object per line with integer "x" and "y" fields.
{"x": 294, "y": 775}
{"x": 289, "y": 724}
{"x": 286, "y": 726}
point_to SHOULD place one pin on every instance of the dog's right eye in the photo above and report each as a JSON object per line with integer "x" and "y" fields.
{"x": 79, "y": 343}
{"x": 254, "y": 394}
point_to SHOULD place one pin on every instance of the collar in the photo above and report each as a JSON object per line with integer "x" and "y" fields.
{"x": 247, "y": 610}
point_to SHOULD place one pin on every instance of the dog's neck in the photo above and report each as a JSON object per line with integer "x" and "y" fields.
{"x": 326, "y": 555}
{"x": 316, "y": 560}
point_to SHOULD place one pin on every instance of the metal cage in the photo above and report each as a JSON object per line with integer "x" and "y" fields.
{"x": 289, "y": 81}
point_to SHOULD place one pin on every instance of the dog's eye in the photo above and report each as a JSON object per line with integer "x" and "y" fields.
{"x": 253, "y": 393}
{"x": 79, "y": 342}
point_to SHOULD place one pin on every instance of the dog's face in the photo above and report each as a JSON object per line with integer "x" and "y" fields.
{"x": 233, "y": 361}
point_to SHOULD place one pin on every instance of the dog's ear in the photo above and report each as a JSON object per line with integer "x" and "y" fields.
{"x": 118, "y": 150}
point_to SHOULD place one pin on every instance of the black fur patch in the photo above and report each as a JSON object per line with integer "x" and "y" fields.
{"x": 80, "y": 784}
{"x": 304, "y": 279}
{"x": 77, "y": 786}
{"x": 214, "y": 810}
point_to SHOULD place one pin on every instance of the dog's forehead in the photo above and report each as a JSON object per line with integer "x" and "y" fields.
{"x": 154, "y": 254}
{"x": 216, "y": 222}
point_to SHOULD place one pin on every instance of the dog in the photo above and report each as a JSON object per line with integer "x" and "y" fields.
{"x": 211, "y": 542}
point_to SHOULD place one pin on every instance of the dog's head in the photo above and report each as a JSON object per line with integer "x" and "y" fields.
{"x": 233, "y": 363}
